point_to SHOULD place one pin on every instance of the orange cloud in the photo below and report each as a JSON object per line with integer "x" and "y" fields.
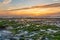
{"x": 33, "y": 11}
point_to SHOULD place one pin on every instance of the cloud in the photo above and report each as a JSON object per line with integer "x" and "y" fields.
{"x": 45, "y": 10}
{"x": 39, "y": 6}
{"x": 56, "y": 0}
{"x": 5, "y": 2}
{"x": 33, "y": 12}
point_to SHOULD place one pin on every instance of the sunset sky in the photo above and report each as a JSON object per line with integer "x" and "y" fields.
{"x": 28, "y": 7}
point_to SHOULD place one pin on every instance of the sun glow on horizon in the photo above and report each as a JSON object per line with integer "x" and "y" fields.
{"x": 33, "y": 11}
{"x": 37, "y": 11}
